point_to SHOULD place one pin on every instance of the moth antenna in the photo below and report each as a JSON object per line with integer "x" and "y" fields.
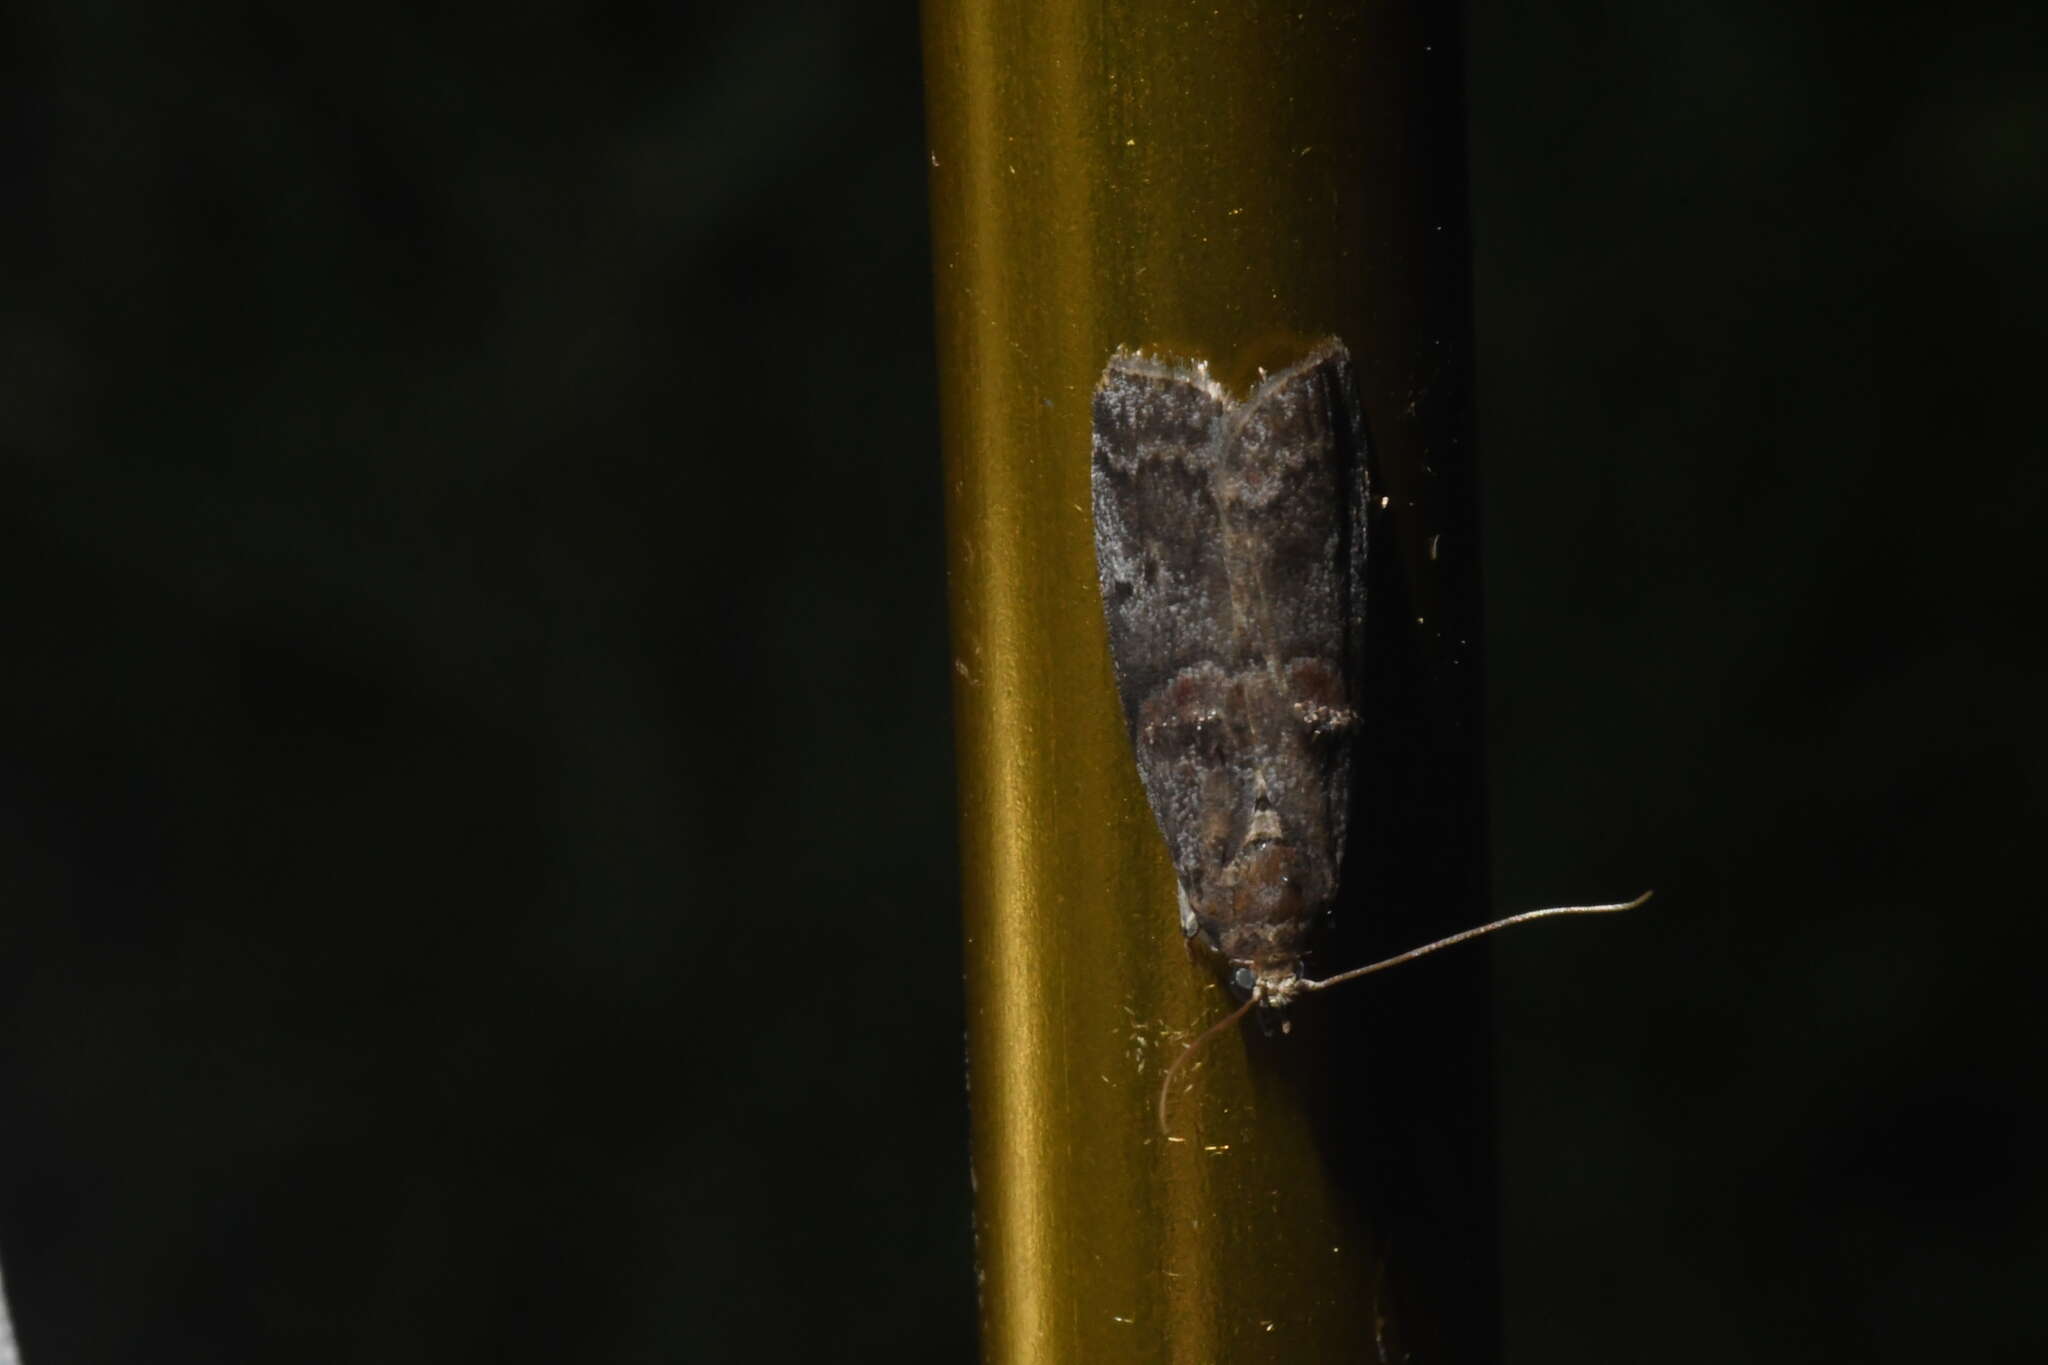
{"x": 1413, "y": 953}
{"x": 1166, "y": 1081}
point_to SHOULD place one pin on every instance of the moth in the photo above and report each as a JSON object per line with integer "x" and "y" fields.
{"x": 1230, "y": 538}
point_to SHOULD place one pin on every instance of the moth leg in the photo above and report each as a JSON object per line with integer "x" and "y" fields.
{"x": 1187, "y": 912}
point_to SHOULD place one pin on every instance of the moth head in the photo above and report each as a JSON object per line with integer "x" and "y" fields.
{"x": 1273, "y": 985}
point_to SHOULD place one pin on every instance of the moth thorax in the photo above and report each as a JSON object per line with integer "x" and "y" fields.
{"x": 1261, "y": 948}
{"x": 1267, "y": 884}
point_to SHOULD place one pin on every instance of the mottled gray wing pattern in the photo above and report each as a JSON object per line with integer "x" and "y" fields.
{"x": 1294, "y": 455}
{"x": 1228, "y": 538}
{"x": 1165, "y": 589}
{"x": 1290, "y": 456}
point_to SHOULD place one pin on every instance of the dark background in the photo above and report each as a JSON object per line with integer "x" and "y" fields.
{"x": 476, "y": 844}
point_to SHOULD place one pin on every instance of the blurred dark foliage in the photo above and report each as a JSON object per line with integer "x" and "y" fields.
{"x": 476, "y": 842}
{"x": 475, "y": 818}
{"x": 1761, "y": 297}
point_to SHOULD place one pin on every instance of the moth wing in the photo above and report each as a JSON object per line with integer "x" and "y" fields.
{"x": 1226, "y": 538}
{"x": 1165, "y": 588}
{"x": 1296, "y": 458}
